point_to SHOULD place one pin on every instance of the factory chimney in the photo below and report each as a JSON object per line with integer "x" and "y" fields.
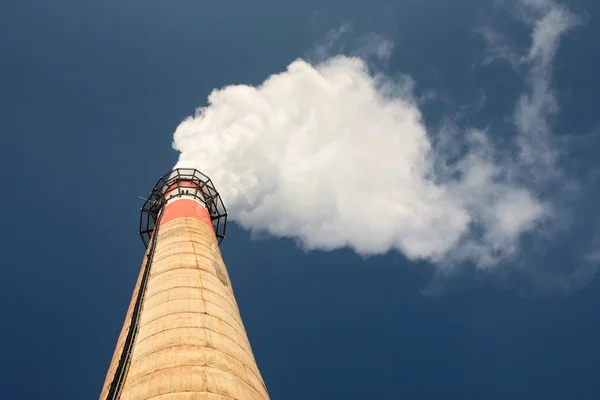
{"x": 183, "y": 336}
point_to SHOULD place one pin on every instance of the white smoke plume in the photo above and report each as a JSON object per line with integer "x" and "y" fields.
{"x": 335, "y": 156}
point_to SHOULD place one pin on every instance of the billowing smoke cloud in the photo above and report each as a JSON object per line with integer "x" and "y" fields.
{"x": 334, "y": 156}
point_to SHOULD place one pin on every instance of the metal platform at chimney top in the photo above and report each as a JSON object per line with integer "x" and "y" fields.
{"x": 171, "y": 184}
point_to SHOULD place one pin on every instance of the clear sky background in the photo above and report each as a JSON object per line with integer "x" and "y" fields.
{"x": 90, "y": 95}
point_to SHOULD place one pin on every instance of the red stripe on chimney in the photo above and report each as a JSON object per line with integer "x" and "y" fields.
{"x": 185, "y": 208}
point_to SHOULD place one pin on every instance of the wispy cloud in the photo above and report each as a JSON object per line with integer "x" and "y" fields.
{"x": 538, "y": 103}
{"x": 593, "y": 255}
{"x": 499, "y": 47}
{"x": 540, "y": 147}
{"x": 372, "y": 47}
{"x": 569, "y": 280}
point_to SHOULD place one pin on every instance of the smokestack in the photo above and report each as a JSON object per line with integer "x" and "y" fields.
{"x": 183, "y": 336}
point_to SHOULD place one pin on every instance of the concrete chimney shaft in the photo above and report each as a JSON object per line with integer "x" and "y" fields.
{"x": 187, "y": 339}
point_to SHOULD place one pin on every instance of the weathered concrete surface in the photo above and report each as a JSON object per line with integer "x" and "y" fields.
{"x": 191, "y": 342}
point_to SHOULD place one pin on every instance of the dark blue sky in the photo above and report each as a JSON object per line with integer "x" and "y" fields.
{"x": 90, "y": 95}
